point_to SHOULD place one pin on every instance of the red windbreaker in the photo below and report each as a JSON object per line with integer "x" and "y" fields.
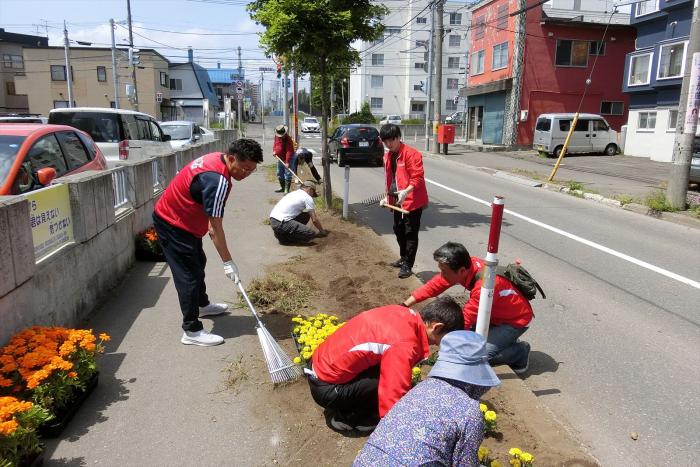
{"x": 409, "y": 171}
{"x": 283, "y": 147}
{"x": 391, "y": 336}
{"x": 509, "y": 304}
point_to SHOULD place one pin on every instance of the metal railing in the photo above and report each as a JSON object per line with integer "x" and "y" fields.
{"x": 120, "y": 183}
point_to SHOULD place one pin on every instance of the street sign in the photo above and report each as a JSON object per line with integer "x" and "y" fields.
{"x": 239, "y": 84}
{"x": 159, "y": 97}
{"x": 266, "y": 68}
{"x": 239, "y": 97}
{"x": 239, "y": 90}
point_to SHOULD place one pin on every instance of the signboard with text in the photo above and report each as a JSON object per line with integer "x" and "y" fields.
{"x": 50, "y": 219}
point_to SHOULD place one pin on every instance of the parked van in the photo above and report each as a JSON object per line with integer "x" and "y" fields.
{"x": 120, "y": 134}
{"x": 592, "y": 134}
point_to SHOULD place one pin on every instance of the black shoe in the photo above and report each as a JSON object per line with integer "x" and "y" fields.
{"x": 524, "y": 366}
{"x": 398, "y": 263}
{"x": 405, "y": 271}
{"x": 281, "y": 180}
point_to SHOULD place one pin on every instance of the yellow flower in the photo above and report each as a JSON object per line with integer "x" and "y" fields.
{"x": 490, "y": 416}
{"x": 495, "y": 464}
{"x": 527, "y": 457}
{"x": 483, "y": 407}
{"x": 306, "y": 355}
{"x": 318, "y": 323}
{"x": 104, "y": 337}
{"x": 515, "y": 452}
{"x": 297, "y": 360}
{"x": 483, "y": 452}
{"x": 515, "y": 463}
{"x": 416, "y": 371}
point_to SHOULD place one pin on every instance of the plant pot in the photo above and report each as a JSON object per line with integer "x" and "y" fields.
{"x": 54, "y": 427}
{"x": 144, "y": 255}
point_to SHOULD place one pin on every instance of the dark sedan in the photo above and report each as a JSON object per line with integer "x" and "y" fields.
{"x": 356, "y": 143}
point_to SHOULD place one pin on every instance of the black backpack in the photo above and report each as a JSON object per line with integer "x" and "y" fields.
{"x": 521, "y": 279}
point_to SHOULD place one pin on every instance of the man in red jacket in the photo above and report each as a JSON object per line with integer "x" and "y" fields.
{"x": 192, "y": 206}
{"x": 364, "y": 368}
{"x": 405, "y": 187}
{"x": 283, "y": 147}
{"x": 511, "y": 312}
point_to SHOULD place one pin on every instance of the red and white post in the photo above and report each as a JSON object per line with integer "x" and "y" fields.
{"x": 491, "y": 261}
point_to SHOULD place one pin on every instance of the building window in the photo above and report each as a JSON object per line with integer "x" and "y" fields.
{"x": 423, "y": 43}
{"x": 419, "y": 66}
{"x": 502, "y": 17}
{"x": 391, "y": 31}
{"x": 612, "y": 108}
{"x": 450, "y": 105}
{"x": 597, "y": 48}
{"x": 175, "y": 84}
{"x": 417, "y": 87}
{"x": 422, "y": 20}
{"x": 479, "y": 27}
{"x": 454, "y": 40}
{"x": 478, "y": 62}
{"x": 500, "y": 56}
{"x": 163, "y": 79}
{"x": 377, "y": 81}
{"x": 13, "y": 61}
{"x": 455, "y": 18}
{"x": 672, "y": 120}
{"x": 646, "y": 7}
{"x": 101, "y": 73}
{"x": 640, "y": 69}
{"x": 572, "y": 53}
{"x": 453, "y": 62}
{"x": 452, "y": 83}
{"x": 58, "y": 73}
{"x": 417, "y": 107}
{"x": 10, "y": 88}
{"x": 376, "y": 102}
{"x": 377, "y": 59}
{"x": 647, "y": 121}
{"x": 671, "y": 61}
{"x": 60, "y": 104}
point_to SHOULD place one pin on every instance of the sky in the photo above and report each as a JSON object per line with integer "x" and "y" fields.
{"x": 214, "y": 28}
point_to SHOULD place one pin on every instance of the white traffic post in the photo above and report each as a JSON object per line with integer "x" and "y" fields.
{"x": 487, "y": 285}
{"x": 346, "y": 191}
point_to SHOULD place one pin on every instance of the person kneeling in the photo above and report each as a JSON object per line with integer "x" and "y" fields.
{"x": 291, "y": 214}
{"x": 364, "y": 367}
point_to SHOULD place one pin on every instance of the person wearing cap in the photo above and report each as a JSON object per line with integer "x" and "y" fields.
{"x": 405, "y": 187}
{"x": 192, "y": 206}
{"x": 290, "y": 217}
{"x": 511, "y": 312}
{"x": 361, "y": 370}
{"x": 283, "y": 148}
{"x": 439, "y": 421}
{"x": 304, "y": 155}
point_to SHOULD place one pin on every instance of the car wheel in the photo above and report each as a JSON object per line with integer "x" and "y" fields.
{"x": 341, "y": 160}
{"x": 557, "y": 151}
{"x": 611, "y": 150}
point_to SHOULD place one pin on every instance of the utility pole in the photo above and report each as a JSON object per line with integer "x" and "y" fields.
{"x": 512, "y": 107}
{"x": 687, "y": 123}
{"x": 429, "y": 84}
{"x": 294, "y": 105}
{"x": 285, "y": 106}
{"x": 332, "y": 101}
{"x": 133, "y": 65}
{"x": 69, "y": 77}
{"x": 262, "y": 101}
{"x": 437, "y": 83}
{"x": 115, "y": 75}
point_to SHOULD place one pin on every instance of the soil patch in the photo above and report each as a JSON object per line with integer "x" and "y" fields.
{"x": 350, "y": 273}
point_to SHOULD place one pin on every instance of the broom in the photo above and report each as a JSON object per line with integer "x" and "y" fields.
{"x": 279, "y": 365}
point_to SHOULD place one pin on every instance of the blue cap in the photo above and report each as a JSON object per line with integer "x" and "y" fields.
{"x": 463, "y": 357}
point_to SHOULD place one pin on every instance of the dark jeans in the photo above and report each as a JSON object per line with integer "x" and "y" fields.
{"x": 294, "y": 230}
{"x": 406, "y": 227}
{"x": 358, "y": 398}
{"x": 185, "y": 256}
{"x": 502, "y": 345}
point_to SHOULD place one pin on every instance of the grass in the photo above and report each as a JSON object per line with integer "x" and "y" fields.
{"x": 282, "y": 293}
{"x": 574, "y": 185}
{"x": 336, "y": 204}
{"x": 266, "y": 221}
{"x": 235, "y": 373}
{"x": 694, "y": 211}
{"x": 270, "y": 172}
{"x": 656, "y": 201}
{"x": 625, "y": 199}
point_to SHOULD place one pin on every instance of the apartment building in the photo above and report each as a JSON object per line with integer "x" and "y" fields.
{"x": 654, "y": 74}
{"x": 11, "y": 45}
{"x": 393, "y": 75}
{"x": 44, "y": 81}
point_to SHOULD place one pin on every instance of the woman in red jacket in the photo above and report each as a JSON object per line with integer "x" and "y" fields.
{"x": 283, "y": 147}
{"x": 405, "y": 187}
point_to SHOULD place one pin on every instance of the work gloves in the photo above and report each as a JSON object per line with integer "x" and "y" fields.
{"x": 231, "y": 271}
{"x": 401, "y": 196}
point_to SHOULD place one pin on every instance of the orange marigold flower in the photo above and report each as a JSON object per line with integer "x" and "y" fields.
{"x": 5, "y": 383}
{"x": 72, "y": 374}
{"x": 90, "y": 347}
{"x": 8, "y": 427}
{"x": 105, "y": 337}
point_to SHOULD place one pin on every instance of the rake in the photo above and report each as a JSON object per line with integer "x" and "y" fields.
{"x": 299, "y": 180}
{"x": 377, "y": 198}
{"x": 279, "y": 365}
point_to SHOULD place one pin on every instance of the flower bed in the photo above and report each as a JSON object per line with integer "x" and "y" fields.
{"x": 19, "y": 443}
{"x": 148, "y": 247}
{"x": 310, "y": 331}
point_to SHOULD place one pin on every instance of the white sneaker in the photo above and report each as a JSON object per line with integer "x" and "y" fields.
{"x": 203, "y": 337}
{"x": 213, "y": 309}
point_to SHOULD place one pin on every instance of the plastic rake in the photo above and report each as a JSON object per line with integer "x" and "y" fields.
{"x": 281, "y": 368}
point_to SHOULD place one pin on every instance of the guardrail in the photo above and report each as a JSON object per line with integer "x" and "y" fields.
{"x": 155, "y": 171}
{"x": 120, "y": 182}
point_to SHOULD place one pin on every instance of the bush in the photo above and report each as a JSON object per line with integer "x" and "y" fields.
{"x": 413, "y": 121}
{"x": 656, "y": 201}
{"x": 363, "y": 116}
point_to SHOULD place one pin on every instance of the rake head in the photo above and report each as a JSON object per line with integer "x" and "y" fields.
{"x": 376, "y": 198}
{"x": 280, "y": 366}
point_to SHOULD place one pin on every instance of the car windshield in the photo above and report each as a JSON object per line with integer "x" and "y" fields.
{"x": 363, "y": 132}
{"x": 102, "y": 127}
{"x": 177, "y": 132}
{"x": 310, "y": 120}
{"x": 9, "y": 145}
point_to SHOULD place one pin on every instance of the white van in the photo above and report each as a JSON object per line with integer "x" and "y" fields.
{"x": 592, "y": 134}
{"x": 120, "y": 134}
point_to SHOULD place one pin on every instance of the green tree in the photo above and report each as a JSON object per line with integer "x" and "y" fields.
{"x": 363, "y": 116}
{"x": 315, "y": 36}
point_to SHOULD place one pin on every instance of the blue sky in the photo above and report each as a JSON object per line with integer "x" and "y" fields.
{"x": 155, "y": 21}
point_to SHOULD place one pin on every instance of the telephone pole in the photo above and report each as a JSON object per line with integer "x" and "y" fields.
{"x": 687, "y": 123}
{"x": 133, "y": 65}
{"x": 69, "y": 75}
{"x": 437, "y": 83}
{"x": 332, "y": 101}
{"x": 115, "y": 75}
{"x": 429, "y": 84}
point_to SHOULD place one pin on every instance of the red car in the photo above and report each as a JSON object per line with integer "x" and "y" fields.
{"x": 32, "y": 155}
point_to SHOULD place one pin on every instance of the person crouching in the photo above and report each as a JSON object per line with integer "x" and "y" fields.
{"x": 290, "y": 217}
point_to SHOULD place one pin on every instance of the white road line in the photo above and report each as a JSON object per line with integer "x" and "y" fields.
{"x": 597, "y": 246}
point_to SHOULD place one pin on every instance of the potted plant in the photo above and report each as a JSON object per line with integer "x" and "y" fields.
{"x": 147, "y": 246}
{"x": 19, "y": 442}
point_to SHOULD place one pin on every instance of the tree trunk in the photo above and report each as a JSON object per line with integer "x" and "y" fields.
{"x": 327, "y": 188}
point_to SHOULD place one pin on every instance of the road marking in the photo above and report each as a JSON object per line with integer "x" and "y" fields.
{"x": 597, "y": 246}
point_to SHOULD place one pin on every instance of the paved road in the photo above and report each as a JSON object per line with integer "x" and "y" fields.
{"x": 616, "y": 345}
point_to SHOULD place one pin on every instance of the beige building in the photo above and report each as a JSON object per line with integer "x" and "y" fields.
{"x": 11, "y": 66}
{"x": 44, "y": 80}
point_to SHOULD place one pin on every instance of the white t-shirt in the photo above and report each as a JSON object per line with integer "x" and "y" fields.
{"x": 291, "y": 205}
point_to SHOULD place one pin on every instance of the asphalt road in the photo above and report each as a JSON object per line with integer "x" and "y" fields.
{"x": 616, "y": 344}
